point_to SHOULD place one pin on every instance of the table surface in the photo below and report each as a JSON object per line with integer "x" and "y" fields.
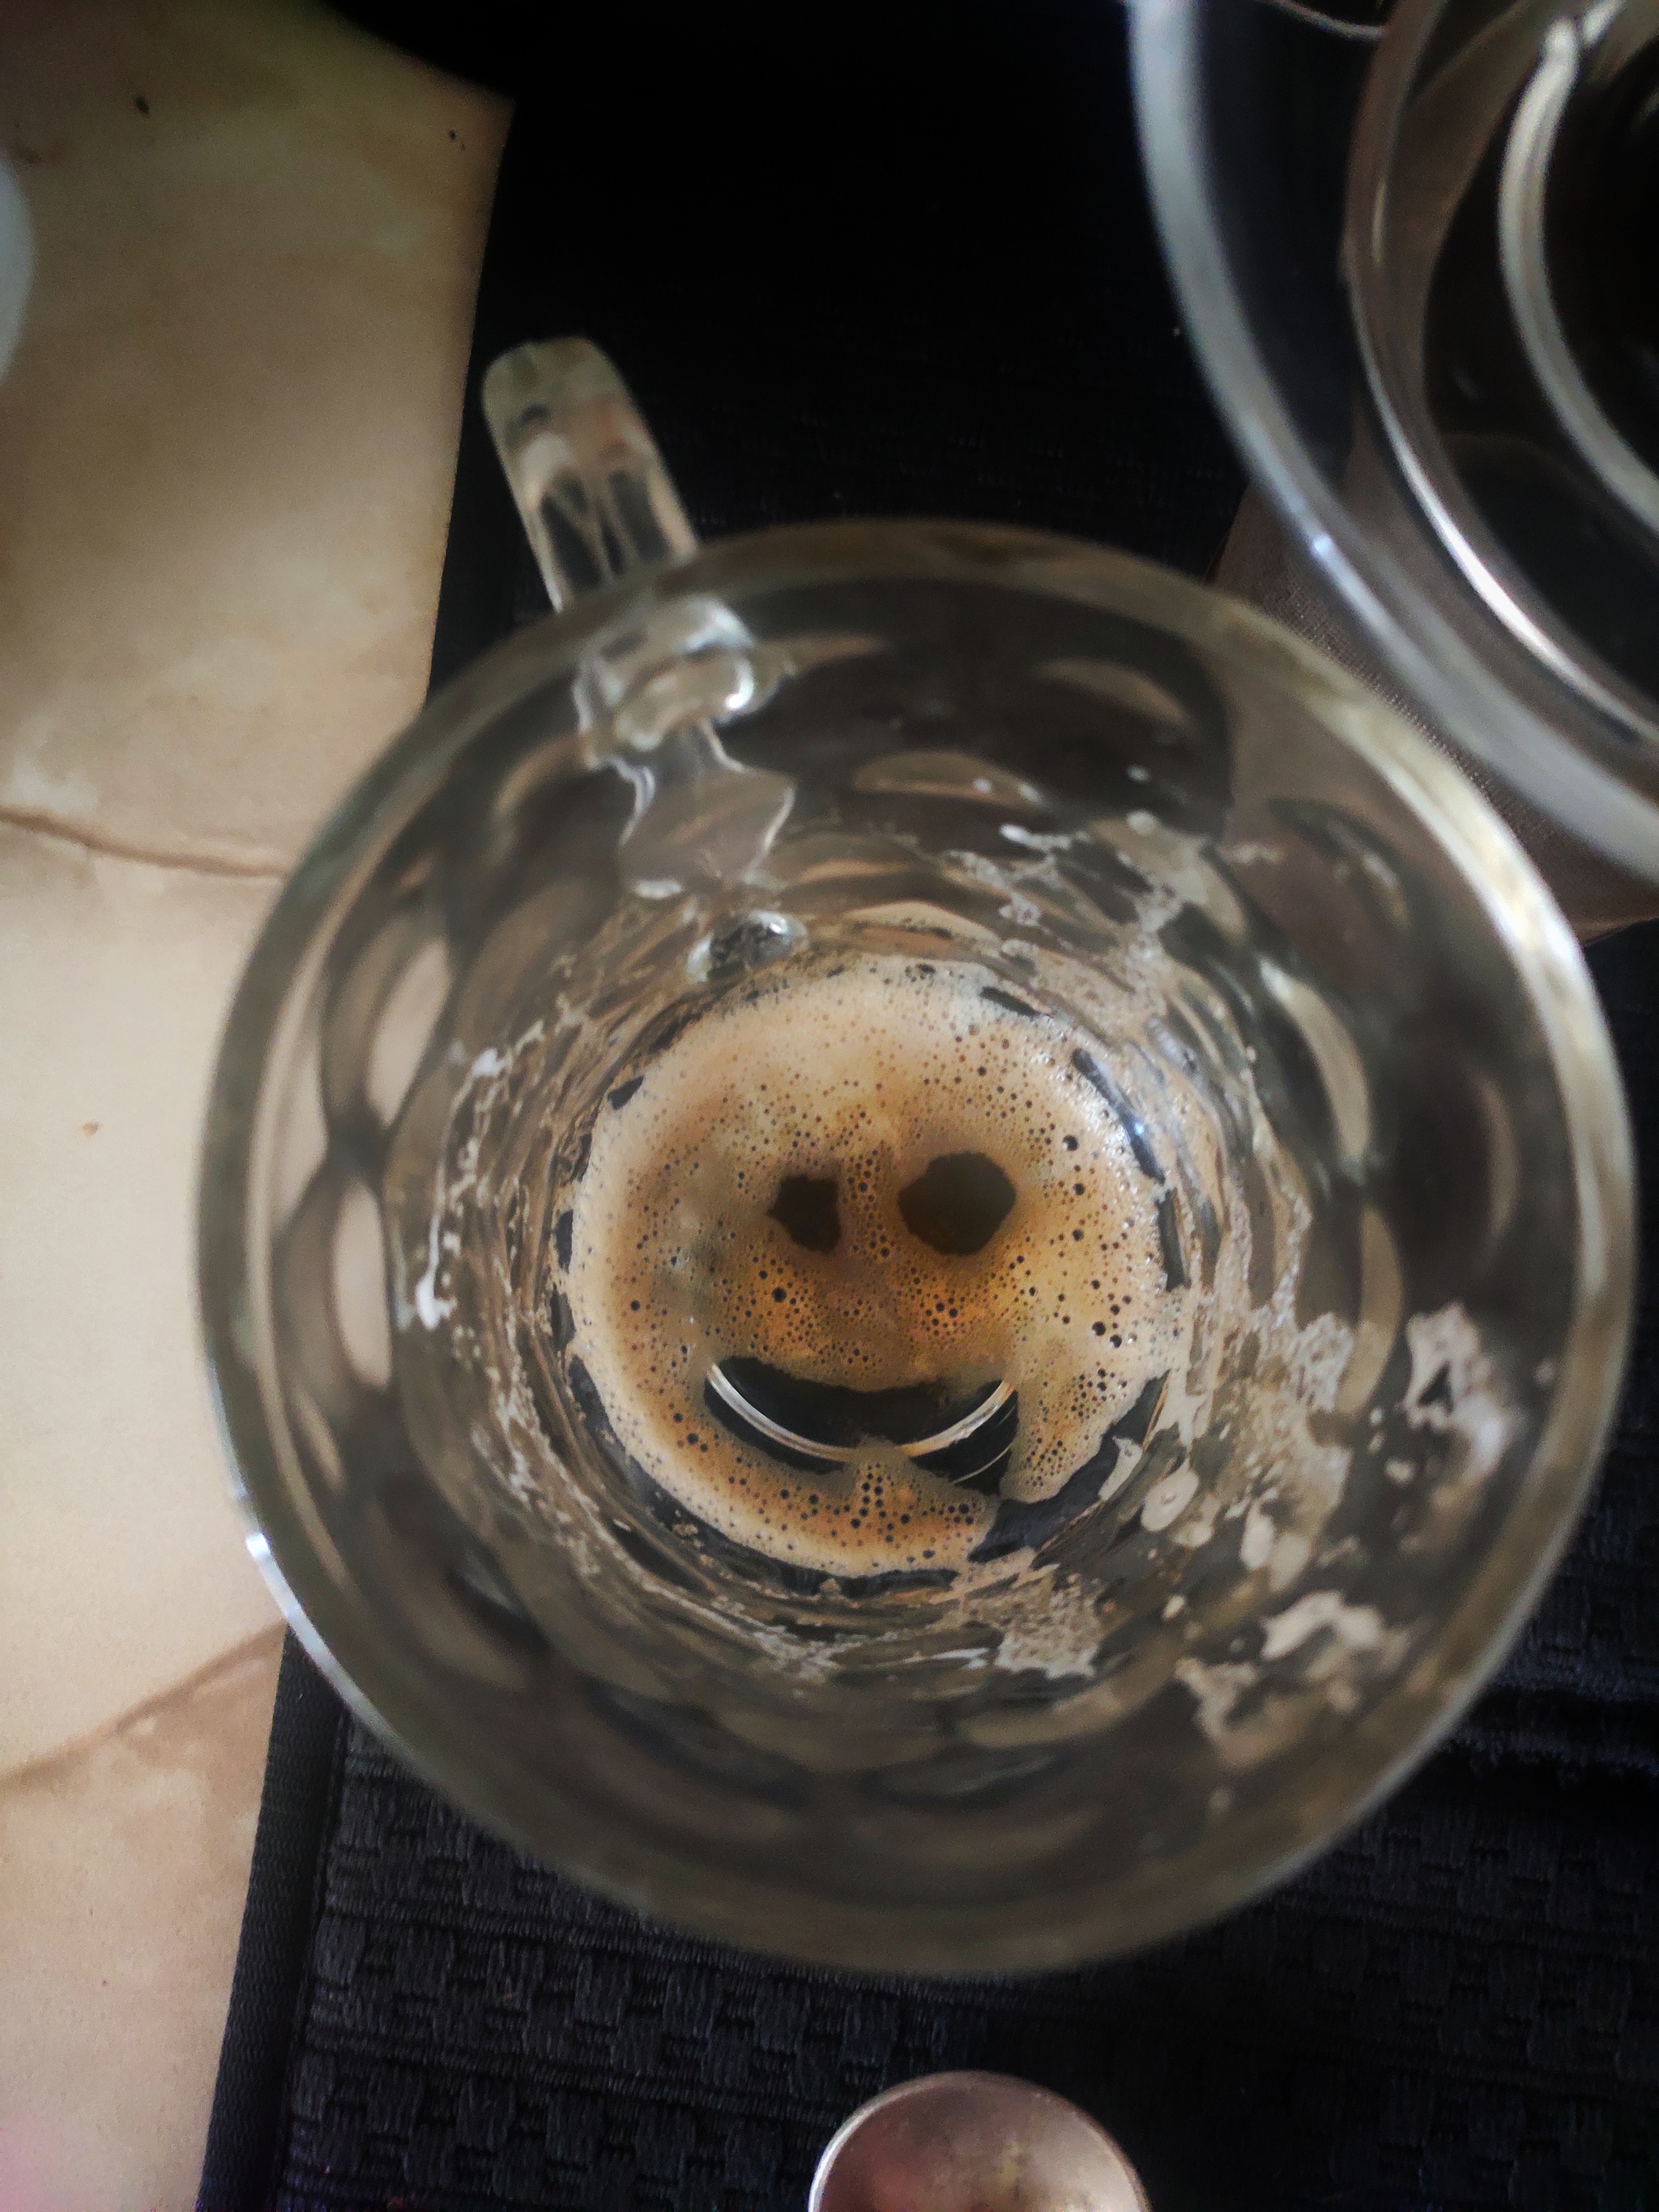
{"x": 226, "y": 443}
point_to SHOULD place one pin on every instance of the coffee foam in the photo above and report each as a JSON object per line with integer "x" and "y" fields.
{"x": 864, "y": 1074}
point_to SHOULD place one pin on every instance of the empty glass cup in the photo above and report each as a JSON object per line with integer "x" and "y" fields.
{"x": 1414, "y": 255}
{"x": 914, "y": 1245}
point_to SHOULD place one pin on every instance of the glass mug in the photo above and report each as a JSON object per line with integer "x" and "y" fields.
{"x": 914, "y": 1245}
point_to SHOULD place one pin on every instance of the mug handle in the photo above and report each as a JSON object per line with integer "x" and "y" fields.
{"x": 598, "y": 504}
{"x": 590, "y": 485}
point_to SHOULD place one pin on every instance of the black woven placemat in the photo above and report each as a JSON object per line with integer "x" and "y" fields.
{"x": 898, "y": 259}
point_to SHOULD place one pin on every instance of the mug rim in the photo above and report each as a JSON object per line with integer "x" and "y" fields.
{"x": 1239, "y": 1858}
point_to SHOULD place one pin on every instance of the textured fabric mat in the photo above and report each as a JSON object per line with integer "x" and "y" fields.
{"x": 882, "y": 260}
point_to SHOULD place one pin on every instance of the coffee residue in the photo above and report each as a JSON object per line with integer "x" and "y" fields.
{"x": 851, "y": 1214}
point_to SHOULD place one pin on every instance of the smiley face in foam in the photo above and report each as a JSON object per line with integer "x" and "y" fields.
{"x": 864, "y": 1250}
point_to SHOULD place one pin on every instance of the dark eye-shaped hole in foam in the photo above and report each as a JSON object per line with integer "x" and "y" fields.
{"x": 805, "y": 1206}
{"x": 964, "y": 1435}
{"x": 957, "y": 1203}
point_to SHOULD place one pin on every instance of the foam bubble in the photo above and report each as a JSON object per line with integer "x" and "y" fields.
{"x": 773, "y": 1194}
